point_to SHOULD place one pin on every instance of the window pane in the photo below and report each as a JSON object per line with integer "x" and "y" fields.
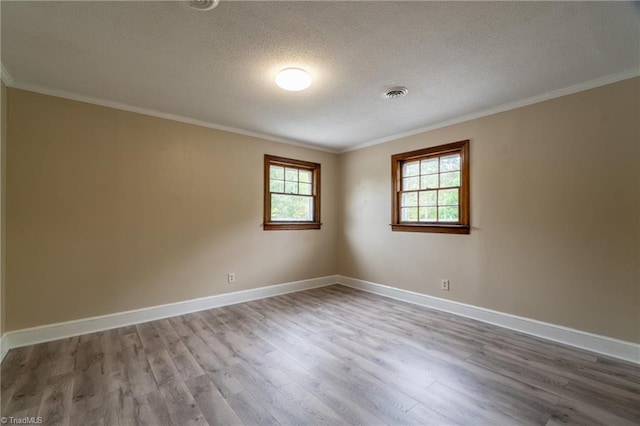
{"x": 448, "y": 214}
{"x": 428, "y": 181}
{"x": 291, "y": 187}
{"x": 305, "y": 188}
{"x": 450, "y": 163}
{"x": 450, "y": 179}
{"x": 409, "y": 199}
{"x": 429, "y": 166}
{"x": 276, "y": 186}
{"x": 427, "y": 198}
{"x": 276, "y": 172}
{"x": 411, "y": 169}
{"x": 410, "y": 184}
{"x": 442, "y": 205}
{"x": 305, "y": 176}
{"x": 291, "y": 174}
{"x": 409, "y": 214}
{"x": 291, "y": 207}
{"x": 428, "y": 214}
{"x": 448, "y": 197}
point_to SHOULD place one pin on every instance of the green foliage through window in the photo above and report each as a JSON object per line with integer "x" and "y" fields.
{"x": 291, "y": 207}
{"x": 291, "y": 196}
{"x": 431, "y": 190}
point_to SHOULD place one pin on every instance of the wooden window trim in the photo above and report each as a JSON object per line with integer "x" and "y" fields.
{"x": 314, "y": 168}
{"x": 464, "y": 225}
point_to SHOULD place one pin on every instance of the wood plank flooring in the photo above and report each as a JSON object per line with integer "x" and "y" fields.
{"x": 331, "y": 356}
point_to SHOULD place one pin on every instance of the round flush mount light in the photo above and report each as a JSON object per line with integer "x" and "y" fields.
{"x": 293, "y": 79}
{"x": 396, "y": 92}
{"x": 202, "y": 5}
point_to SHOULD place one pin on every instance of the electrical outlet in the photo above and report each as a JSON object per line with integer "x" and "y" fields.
{"x": 231, "y": 277}
{"x": 444, "y": 285}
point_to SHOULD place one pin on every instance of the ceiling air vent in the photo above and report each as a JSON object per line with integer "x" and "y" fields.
{"x": 202, "y": 4}
{"x": 396, "y": 92}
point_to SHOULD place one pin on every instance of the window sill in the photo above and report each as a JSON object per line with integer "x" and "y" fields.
{"x": 439, "y": 229}
{"x": 288, "y": 226}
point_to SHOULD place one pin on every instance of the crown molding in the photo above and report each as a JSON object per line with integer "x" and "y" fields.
{"x": 159, "y": 114}
{"x": 580, "y": 87}
{"x": 591, "y": 84}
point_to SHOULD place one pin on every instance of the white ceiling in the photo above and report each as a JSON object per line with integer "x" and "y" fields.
{"x": 219, "y": 67}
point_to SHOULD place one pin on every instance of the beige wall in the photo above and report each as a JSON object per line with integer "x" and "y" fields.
{"x": 110, "y": 211}
{"x": 555, "y": 210}
{"x": 4, "y": 114}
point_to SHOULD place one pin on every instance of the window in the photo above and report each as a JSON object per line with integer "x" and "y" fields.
{"x": 431, "y": 189}
{"x": 291, "y": 194}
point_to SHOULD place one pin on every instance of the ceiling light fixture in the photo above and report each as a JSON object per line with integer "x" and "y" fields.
{"x": 293, "y": 79}
{"x": 202, "y": 4}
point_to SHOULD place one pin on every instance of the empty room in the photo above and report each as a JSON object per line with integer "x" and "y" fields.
{"x": 355, "y": 212}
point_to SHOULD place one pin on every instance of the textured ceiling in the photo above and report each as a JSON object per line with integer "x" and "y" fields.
{"x": 219, "y": 66}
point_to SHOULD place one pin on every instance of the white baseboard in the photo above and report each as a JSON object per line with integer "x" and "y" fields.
{"x": 615, "y": 348}
{"x": 62, "y": 330}
{"x": 600, "y": 344}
